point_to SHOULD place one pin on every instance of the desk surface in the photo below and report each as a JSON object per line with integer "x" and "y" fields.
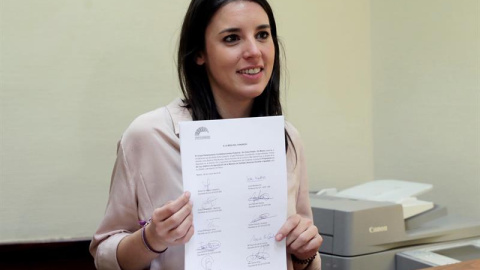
{"x": 468, "y": 265}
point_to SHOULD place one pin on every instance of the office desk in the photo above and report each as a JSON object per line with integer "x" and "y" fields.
{"x": 468, "y": 265}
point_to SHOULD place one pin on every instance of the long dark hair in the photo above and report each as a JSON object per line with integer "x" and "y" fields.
{"x": 193, "y": 78}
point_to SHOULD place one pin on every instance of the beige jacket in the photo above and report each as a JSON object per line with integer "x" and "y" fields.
{"x": 148, "y": 173}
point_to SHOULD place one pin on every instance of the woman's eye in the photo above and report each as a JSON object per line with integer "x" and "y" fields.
{"x": 230, "y": 38}
{"x": 263, "y": 35}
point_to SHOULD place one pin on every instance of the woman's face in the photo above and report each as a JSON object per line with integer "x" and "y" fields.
{"x": 239, "y": 53}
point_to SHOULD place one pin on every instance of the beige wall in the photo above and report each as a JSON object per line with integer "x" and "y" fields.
{"x": 329, "y": 88}
{"x": 426, "y": 97}
{"x": 75, "y": 73}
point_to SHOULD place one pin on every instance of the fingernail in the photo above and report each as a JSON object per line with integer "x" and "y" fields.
{"x": 279, "y": 237}
{"x": 187, "y": 193}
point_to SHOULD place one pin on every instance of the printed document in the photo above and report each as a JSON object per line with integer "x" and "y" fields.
{"x": 236, "y": 172}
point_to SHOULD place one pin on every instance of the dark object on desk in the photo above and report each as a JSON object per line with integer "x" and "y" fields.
{"x": 47, "y": 256}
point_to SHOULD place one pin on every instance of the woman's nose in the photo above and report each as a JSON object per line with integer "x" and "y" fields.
{"x": 251, "y": 49}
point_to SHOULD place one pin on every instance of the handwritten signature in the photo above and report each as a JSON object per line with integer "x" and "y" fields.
{"x": 206, "y": 184}
{"x": 262, "y": 217}
{"x": 209, "y": 203}
{"x": 256, "y": 179}
{"x": 267, "y": 236}
{"x": 207, "y": 262}
{"x": 261, "y": 255}
{"x": 210, "y": 246}
{"x": 212, "y": 223}
{"x": 260, "y": 196}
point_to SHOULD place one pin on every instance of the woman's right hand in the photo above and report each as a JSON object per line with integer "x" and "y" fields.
{"x": 171, "y": 224}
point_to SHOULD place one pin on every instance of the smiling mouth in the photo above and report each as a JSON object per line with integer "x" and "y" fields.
{"x": 250, "y": 71}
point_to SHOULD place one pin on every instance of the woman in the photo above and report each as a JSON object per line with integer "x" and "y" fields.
{"x": 228, "y": 65}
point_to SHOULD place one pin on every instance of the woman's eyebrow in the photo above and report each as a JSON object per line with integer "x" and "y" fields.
{"x": 237, "y": 29}
{"x": 263, "y": 26}
{"x": 230, "y": 30}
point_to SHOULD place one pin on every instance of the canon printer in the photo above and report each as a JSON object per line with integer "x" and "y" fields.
{"x": 365, "y": 226}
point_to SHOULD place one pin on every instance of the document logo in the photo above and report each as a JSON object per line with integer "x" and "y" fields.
{"x": 202, "y": 134}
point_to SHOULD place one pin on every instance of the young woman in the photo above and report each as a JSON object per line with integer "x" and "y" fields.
{"x": 228, "y": 65}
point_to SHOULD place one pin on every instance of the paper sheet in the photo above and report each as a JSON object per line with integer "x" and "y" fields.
{"x": 235, "y": 170}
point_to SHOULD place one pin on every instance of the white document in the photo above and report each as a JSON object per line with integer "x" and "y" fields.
{"x": 236, "y": 172}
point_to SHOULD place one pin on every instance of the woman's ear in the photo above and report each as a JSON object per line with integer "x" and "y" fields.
{"x": 200, "y": 59}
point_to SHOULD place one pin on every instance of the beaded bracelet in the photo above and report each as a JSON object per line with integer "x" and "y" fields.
{"x": 304, "y": 261}
{"x": 144, "y": 238}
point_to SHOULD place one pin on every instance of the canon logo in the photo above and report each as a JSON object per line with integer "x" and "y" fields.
{"x": 378, "y": 229}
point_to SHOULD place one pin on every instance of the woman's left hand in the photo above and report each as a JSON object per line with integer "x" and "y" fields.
{"x": 303, "y": 239}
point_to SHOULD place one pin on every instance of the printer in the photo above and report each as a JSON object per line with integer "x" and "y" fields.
{"x": 365, "y": 226}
